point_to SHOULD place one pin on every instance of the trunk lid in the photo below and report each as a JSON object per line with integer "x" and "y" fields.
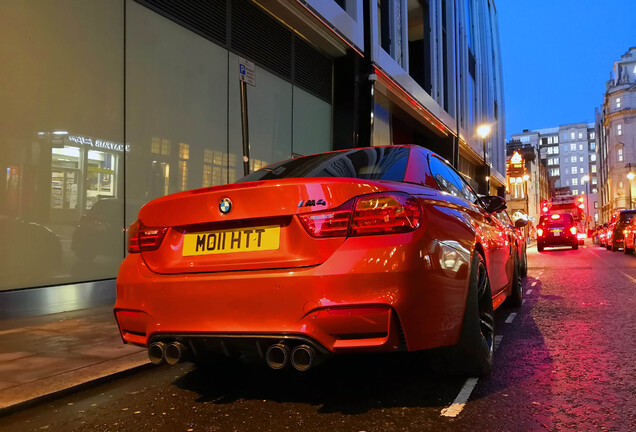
{"x": 260, "y": 231}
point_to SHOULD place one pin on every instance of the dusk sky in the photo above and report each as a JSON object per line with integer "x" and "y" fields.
{"x": 557, "y": 56}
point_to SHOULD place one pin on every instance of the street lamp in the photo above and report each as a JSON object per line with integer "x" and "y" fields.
{"x": 526, "y": 177}
{"x": 630, "y": 176}
{"x": 586, "y": 180}
{"x": 483, "y": 131}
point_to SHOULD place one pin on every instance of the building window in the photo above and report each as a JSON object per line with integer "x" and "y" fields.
{"x": 592, "y": 135}
{"x": 619, "y": 154}
{"x": 580, "y": 147}
{"x": 593, "y": 168}
{"x": 592, "y": 146}
{"x": 580, "y": 135}
{"x": 575, "y": 192}
{"x": 575, "y": 170}
{"x": 575, "y": 182}
{"x": 565, "y": 137}
{"x": 556, "y": 139}
{"x": 573, "y": 147}
{"x": 593, "y": 157}
{"x": 594, "y": 181}
{"x": 618, "y": 103}
{"x": 619, "y": 129}
{"x": 581, "y": 159}
{"x": 572, "y": 159}
{"x": 595, "y": 204}
{"x": 184, "y": 151}
{"x": 549, "y": 140}
{"x": 572, "y": 135}
{"x": 525, "y": 139}
{"x": 554, "y": 172}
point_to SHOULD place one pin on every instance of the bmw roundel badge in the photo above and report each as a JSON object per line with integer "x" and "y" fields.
{"x": 225, "y": 206}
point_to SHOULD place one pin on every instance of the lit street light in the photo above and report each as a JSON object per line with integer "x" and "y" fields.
{"x": 630, "y": 176}
{"x": 586, "y": 180}
{"x": 483, "y": 131}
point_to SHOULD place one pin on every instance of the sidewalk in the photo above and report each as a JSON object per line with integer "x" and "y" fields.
{"x": 46, "y": 354}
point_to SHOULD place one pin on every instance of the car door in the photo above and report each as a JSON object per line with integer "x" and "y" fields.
{"x": 499, "y": 258}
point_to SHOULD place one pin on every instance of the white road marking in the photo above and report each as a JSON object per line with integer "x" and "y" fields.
{"x": 623, "y": 273}
{"x": 460, "y": 401}
{"x": 529, "y": 292}
{"x": 498, "y": 341}
{"x": 511, "y": 317}
{"x": 534, "y": 283}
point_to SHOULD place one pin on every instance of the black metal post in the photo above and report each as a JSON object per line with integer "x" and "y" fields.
{"x": 245, "y": 129}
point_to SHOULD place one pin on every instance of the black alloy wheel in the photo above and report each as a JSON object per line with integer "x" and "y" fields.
{"x": 515, "y": 298}
{"x": 473, "y": 355}
{"x": 524, "y": 264}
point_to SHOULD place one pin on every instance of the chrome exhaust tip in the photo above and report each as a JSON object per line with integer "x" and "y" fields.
{"x": 156, "y": 352}
{"x": 173, "y": 353}
{"x": 277, "y": 355}
{"x": 303, "y": 357}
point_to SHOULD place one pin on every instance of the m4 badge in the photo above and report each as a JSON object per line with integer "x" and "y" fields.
{"x": 311, "y": 203}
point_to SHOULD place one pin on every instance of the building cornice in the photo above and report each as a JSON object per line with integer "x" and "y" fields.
{"x": 621, "y": 113}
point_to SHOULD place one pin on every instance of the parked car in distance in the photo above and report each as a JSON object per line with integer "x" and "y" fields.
{"x": 379, "y": 249}
{"x": 602, "y": 234}
{"x": 614, "y": 238}
{"x": 629, "y": 236}
{"x": 556, "y": 229}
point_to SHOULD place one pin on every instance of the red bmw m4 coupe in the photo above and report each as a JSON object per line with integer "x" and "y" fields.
{"x": 360, "y": 250}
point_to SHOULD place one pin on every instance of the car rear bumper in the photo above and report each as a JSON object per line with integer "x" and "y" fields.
{"x": 551, "y": 240}
{"x": 381, "y": 300}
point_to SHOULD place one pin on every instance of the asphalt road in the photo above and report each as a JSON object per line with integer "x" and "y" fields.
{"x": 565, "y": 361}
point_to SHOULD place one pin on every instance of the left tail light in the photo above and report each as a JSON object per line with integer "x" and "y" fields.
{"x": 382, "y": 213}
{"x": 540, "y": 232}
{"x": 142, "y": 238}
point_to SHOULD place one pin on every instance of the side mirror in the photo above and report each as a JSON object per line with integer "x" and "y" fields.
{"x": 520, "y": 223}
{"x": 494, "y": 203}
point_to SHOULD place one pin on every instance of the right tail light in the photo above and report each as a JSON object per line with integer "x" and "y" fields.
{"x": 382, "y": 213}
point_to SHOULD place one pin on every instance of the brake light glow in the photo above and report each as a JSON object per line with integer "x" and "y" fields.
{"x": 331, "y": 223}
{"x": 573, "y": 230}
{"x": 540, "y": 232}
{"x": 555, "y": 216}
{"x": 142, "y": 238}
{"x": 380, "y": 213}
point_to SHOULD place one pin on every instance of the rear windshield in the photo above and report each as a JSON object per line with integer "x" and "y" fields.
{"x": 373, "y": 163}
{"x": 557, "y": 219}
{"x": 626, "y": 216}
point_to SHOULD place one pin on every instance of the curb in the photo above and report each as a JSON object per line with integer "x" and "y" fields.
{"x": 25, "y": 396}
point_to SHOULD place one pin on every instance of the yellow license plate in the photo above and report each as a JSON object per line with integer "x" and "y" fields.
{"x": 234, "y": 240}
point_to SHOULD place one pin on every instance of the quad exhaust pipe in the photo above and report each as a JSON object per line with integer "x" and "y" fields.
{"x": 277, "y": 356}
{"x": 302, "y": 357}
{"x": 156, "y": 352}
{"x": 172, "y": 353}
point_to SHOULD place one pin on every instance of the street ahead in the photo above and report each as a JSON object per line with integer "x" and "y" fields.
{"x": 566, "y": 360}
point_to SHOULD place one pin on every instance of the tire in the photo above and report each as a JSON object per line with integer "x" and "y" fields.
{"x": 524, "y": 264}
{"x": 614, "y": 246}
{"x": 628, "y": 251}
{"x": 608, "y": 246}
{"x": 575, "y": 246}
{"x": 539, "y": 247}
{"x": 474, "y": 352}
{"x": 515, "y": 299}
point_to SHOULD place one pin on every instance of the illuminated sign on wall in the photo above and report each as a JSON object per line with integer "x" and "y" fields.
{"x": 106, "y": 145}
